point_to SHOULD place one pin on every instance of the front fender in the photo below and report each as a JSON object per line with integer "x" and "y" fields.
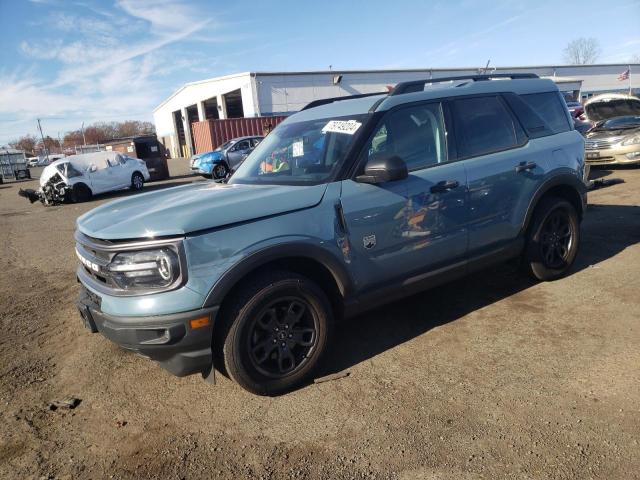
{"x": 263, "y": 256}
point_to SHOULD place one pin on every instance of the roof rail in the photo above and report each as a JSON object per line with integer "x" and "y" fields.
{"x": 418, "y": 85}
{"x": 325, "y": 101}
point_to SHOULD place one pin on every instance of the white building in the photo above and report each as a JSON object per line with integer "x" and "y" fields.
{"x": 252, "y": 94}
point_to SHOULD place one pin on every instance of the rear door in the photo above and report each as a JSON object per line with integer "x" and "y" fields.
{"x": 503, "y": 170}
{"x": 400, "y": 230}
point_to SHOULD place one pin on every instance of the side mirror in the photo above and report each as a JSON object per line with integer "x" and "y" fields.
{"x": 92, "y": 168}
{"x": 384, "y": 168}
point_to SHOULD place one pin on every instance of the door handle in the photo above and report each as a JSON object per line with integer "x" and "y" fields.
{"x": 525, "y": 166}
{"x": 444, "y": 186}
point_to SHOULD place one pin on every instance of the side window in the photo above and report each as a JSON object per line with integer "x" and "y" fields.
{"x": 415, "y": 134}
{"x": 551, "y": 108}
{"x": 484, "y": 125}
{"x": 255, "y": 142}
{"x": 243, "y": 145}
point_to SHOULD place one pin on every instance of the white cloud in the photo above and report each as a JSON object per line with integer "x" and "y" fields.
{"x": 109, "y": 66}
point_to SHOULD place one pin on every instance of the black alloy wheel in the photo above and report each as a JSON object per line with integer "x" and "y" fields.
{"x": 282, "y": 336}
{"x": 552, "y": 239}
{"x": 556, "y": 237}
{"x": 274, "y": 331}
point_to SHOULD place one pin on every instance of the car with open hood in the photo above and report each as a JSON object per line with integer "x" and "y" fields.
{"x": 225, "y": 158}
{"x": 348, "y": 204}
{"x": 614, "y": 138}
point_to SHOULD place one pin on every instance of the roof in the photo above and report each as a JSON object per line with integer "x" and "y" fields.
{"x": 385, "y": 102}
{"x": 197, "y": 82}
{"x": 427, "y": 70}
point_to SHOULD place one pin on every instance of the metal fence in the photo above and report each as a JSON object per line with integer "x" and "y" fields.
{"x": 89, "y": 148}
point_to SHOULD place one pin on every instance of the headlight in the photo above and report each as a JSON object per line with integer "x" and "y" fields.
{"x": 631, "y": 140}
{"x": 146, "y": 269}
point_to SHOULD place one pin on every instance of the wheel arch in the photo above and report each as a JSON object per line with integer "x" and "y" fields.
{"x": 565, "y": 186}
{"x": 310, "y": 261}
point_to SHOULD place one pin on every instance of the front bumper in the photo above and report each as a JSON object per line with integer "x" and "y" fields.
{"x": 168, "y": 339}
{"x": 627, "y": 155}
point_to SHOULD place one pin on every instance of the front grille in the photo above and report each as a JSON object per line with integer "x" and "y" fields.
{"x": 600, "y": 144}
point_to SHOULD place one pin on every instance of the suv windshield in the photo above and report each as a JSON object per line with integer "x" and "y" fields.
{"x": 301, "y": 153}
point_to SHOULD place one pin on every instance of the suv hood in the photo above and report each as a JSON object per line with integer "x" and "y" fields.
{"x": 194, "y": 207}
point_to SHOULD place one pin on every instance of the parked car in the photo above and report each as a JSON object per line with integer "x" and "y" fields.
{"x": 227, "y": 157}
{"x": 615, "y": 141}
{"x": 351, "y": 203}
{"x": 78, "y": 177}
{"x": 32, "y": 162}
{"x": 575, "y": 108}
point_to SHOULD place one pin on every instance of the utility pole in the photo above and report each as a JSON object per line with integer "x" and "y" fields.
{"x": 59, "y": 143}
{"x": 629, "y": 70}
{"x": 46, "y": 150}
{"x": 84, "y": 140}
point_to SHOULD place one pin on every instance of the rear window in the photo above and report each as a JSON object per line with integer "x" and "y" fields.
{"x": 484, "y": 125}
{"x": 550, "y": 107}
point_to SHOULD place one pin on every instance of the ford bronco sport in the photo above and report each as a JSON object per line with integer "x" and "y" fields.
{"x": 349, "y": 203}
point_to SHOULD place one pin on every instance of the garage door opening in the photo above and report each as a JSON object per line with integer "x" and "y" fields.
{"x": 233, "y": 104}
{"x": 211, "y": 109}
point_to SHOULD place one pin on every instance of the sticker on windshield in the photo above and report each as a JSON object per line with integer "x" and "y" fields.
{"x": 298, "y": 148}
{"x": 341, "y": 126}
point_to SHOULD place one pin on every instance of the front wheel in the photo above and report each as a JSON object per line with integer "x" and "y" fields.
{"x": 279, "y": 328}
{"x": 137, "y": 181}
{"x": 553, "y": 240}
{"x": 219, "y": 171}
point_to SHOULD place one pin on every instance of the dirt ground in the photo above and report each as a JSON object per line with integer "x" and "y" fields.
{"x": 493, "y": 376}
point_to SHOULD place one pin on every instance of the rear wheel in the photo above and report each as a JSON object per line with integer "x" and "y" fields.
{"x": 278, "y": 328}
{"x": 553, "y": 240}
{"x": 137, "y": 181}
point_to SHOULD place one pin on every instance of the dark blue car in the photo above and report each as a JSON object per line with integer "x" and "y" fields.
{"x": 226, "y": 157}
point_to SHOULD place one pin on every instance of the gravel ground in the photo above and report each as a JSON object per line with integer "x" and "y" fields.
{"x": 493, "y": 376}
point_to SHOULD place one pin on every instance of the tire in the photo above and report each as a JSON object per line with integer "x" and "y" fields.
{"x": 553, "y": 239}
{"x": 277, "y": 328}
{"x": 219, "y": 171}
{"x": 137, "y": 181}
{"x": 80, "y": 193}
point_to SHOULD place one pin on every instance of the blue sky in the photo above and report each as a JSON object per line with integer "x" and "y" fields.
{"x": 68, "y": 61}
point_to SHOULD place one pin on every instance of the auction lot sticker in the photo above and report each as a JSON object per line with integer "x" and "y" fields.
{"x": 342, "y": 126}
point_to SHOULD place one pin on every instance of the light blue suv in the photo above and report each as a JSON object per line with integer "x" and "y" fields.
{"x": 348, "y": 204}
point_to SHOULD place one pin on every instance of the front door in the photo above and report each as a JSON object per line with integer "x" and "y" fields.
{"x": 408, "y": 227}
{"x": 238, "y": 153}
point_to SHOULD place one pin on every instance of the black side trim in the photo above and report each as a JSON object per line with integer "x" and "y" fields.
{"x": 410, "y": 286}
{"x": 280, "y": 252}
{"x": 562, "y": 179}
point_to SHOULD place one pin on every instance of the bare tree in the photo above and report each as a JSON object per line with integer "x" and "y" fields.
{"x": 26, "y": 143}
{"x": 582, "y": 51}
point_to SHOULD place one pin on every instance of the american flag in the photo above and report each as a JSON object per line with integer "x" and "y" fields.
{"x": 624, "y": 75}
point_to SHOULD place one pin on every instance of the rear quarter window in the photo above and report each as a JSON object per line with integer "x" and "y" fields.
{"x": 551, "y": 108}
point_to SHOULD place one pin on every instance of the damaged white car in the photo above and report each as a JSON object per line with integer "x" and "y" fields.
{"x": 77, "y": 178}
